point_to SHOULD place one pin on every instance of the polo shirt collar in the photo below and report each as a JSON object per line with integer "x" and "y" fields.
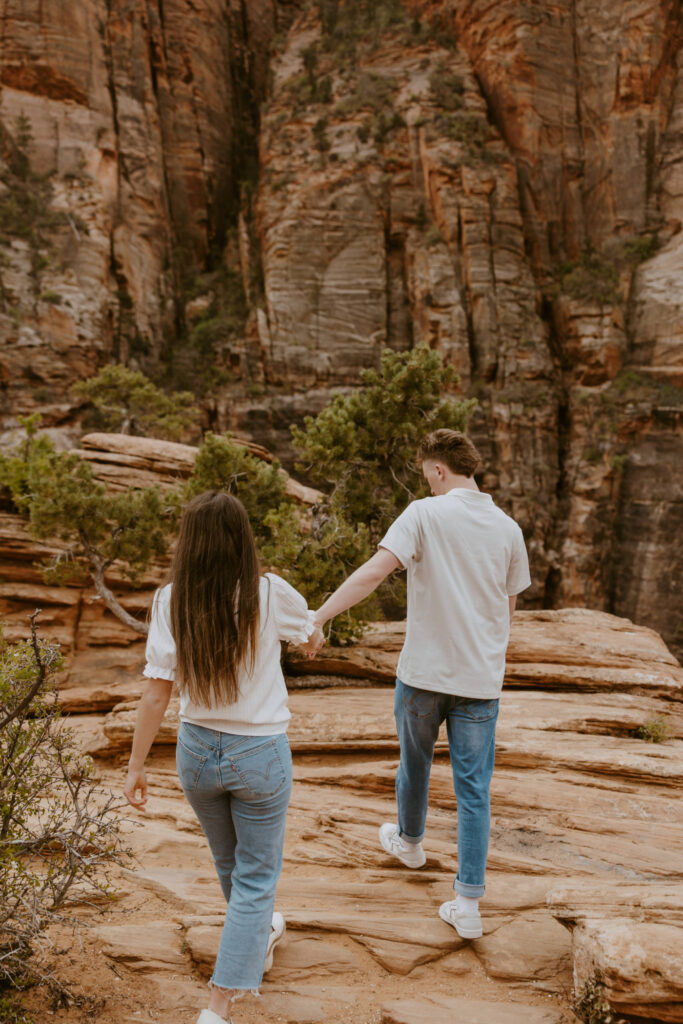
{"x": 466, "y": 492}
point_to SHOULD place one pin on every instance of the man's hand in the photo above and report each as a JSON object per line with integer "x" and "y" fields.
{"x": 136, "y": 782}
{"x": 314, "y": 642}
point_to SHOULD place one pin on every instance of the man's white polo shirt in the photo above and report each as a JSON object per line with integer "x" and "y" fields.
{"x": 464, "y": 558}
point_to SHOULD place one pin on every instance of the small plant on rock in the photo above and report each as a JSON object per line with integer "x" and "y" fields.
{"x": 592, "y": 1007}
{"x": 654, "y": 729}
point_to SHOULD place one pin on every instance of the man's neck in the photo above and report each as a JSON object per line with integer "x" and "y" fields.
{"x": 464, "y": 483}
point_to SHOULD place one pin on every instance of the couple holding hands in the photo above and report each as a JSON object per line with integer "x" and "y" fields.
{"x": 216, "y": 631}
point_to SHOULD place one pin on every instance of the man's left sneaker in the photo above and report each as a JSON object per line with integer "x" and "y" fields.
{"x": 466, "y": 923}
{"x": 410, "y": 854}
{"x": 277, "y": 931}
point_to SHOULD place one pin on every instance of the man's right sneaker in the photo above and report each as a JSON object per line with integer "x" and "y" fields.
{"x": 466, "y": 923}
{"x": 410, "y": 854}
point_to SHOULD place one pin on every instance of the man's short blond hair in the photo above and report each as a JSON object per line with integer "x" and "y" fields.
{"x": 451, "y": 447}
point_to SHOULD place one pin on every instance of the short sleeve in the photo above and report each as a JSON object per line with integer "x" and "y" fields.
{"x": 293, "y": 619}
{"x": 403, "y": 536}
{"x": 160, "y": 650}
{"x": 518, "y": 578}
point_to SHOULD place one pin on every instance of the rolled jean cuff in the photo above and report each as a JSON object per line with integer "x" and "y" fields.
{"x": 411, "y": 840}
{"x": 474, "y": 892}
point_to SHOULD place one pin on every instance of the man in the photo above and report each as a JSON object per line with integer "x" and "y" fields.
{"x": 466, "y": 562}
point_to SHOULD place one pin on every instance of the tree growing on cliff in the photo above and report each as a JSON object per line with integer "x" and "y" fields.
{"x": 61, "y": 498}
{"x": 361, "y": 447}
{"x": 59, "y": 833}
{"x": 128, "y": 402}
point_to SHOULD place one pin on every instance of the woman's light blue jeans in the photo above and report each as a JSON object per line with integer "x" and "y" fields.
{"x": 471, "y": 726}
{"x": 239, "y": 788}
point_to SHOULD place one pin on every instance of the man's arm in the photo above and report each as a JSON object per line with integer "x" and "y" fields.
{"x": 512, "y": 602}
{"x": 359, "y": 585}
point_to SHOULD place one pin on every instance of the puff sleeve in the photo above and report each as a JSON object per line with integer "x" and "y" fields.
{"x": 293, "y": 618}
{"x": 160, "y": 652}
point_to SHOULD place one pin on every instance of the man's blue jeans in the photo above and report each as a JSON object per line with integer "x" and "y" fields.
{"x": 471, "y": 728}
{"x": 239, "y": 788}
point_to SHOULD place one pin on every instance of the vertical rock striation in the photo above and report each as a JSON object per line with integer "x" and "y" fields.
{"x": 503, "y": 182}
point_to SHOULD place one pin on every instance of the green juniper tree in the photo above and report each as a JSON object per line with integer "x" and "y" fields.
{"x": 128, "y": 402}
{"x": 360, "y": 449}
{"x": 61, "y": 498}
{"x": 362, "y": 446}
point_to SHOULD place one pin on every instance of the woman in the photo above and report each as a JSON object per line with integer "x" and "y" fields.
{"x": 216, "y": 630}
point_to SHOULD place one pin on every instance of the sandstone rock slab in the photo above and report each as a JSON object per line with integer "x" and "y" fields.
{"x": 527, "y": 948}
{"x": 640, "y": 965}
{"x": 445, "y": 1010}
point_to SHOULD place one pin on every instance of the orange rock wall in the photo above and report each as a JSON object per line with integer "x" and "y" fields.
{"x": 464, "y": 228}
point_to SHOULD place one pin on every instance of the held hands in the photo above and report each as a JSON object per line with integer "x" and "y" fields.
{"x": 136, "y": 782}
{"x": 314, "y": 642}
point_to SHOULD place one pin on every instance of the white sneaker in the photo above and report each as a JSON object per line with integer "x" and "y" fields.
{"x": 209, "y": 1017}
{"x": 466, "y": 923}
{"x": 410, "y": 854}
{"x": 277, "y": 931}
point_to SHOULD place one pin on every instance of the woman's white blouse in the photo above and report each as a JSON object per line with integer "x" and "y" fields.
{"x": 262, "y": 706}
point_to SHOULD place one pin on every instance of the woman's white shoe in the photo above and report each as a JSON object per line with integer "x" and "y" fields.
{"x": 209, "y": 1017}
{"x": 277, "y": 931}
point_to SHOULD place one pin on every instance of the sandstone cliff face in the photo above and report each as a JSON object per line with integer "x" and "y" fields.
{"x": 503, "y": 182}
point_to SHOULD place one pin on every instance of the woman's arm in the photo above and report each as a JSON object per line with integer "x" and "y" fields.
{"x": 151, "y": 710}
{"x": 359, "y": 585}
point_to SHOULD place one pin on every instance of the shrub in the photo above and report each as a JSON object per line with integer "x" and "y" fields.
{"x": 11, "y": 1012}
{"x": 320, "y": 138}
{"x": 592, "y": 1007}
{"x": 25, "y": 202}
{"x": 58, "y": 834}
{"x": 654, "y": 729}
{"x": 433, "y": 236}
{"x": 351, "y": 27}
{"x": 446, "y": 87}
{"x": 591, "y": 278}
{"x": 128, "y": 402}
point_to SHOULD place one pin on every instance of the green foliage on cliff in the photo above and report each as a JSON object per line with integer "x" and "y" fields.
{"x": 315, "y": 553}
{"x": 601, "y": 276}
{"x": 222, "y": 465}
{"x": 25, "y": 197}
{"x": 362, "y": 446}
{"x": 128, "y": 402}
{"x": 215, "y": 310}
{"x": 446, "y": 87}
{"x": 360, "y": 449}
{"x": 61, "y": 499}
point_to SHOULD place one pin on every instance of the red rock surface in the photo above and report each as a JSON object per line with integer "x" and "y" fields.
{"x": 465, "y": 227}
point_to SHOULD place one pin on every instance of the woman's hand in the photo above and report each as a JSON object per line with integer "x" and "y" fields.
{"x": 314, "y": 642}
{"x": 136, "y": 781}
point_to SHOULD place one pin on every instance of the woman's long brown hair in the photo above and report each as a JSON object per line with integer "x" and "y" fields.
{"x": 214, "y": 598}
